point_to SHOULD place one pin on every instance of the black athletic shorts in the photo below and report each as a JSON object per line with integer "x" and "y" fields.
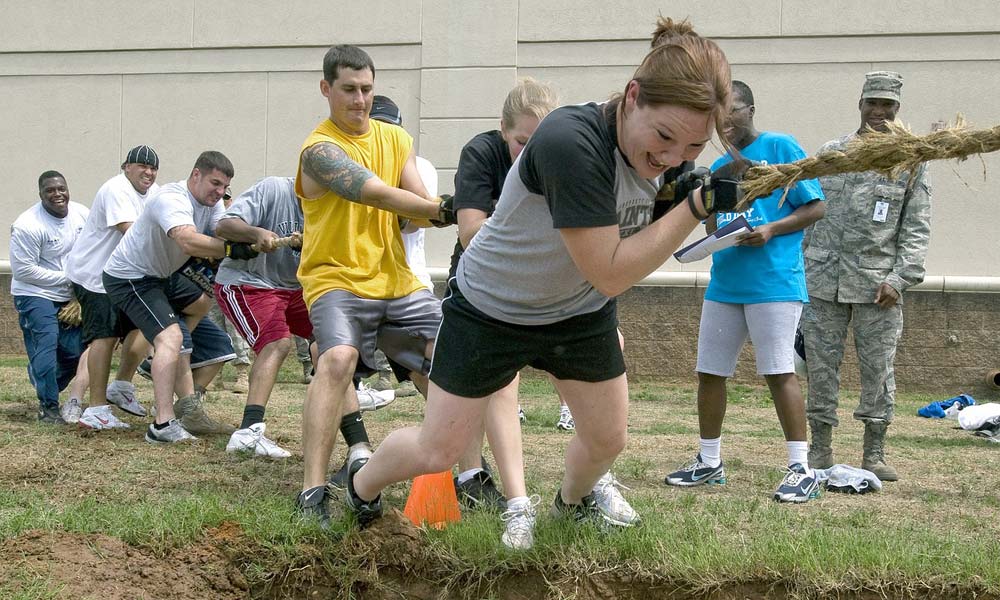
{"x": 476, "y": 355}
{"x": 154, "y": 304}
{"x": 101, "y": 319}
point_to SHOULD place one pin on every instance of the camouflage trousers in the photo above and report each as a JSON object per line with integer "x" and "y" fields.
{"x": 876, "y": 331}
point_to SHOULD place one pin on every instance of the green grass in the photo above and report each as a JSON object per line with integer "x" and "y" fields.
{"x": 932, "y": 530}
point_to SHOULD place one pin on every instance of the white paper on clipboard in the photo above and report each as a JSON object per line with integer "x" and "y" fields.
{"x": 723, "y": 237}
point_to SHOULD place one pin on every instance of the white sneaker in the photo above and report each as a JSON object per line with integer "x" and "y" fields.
{"x": 71, "y": 410}
{"x": 173, "y": 433}
{"x": 101, "y": 417}
{"x": 122, "y": 395}
{"x": 614, "y": 508}
{"x": 520, "y": 525}
{"x": 566, "y": 422}
{"x": 371, "y": 399}
{"x": 252, "y": 439}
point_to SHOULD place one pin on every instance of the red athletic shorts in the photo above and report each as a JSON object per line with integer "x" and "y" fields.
{"x": 263, "y": 315}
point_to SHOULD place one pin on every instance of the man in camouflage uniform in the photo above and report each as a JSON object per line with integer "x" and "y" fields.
{"x": 859, "y": 260}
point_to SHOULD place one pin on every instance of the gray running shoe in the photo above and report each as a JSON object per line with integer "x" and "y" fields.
{"x": 191, "y": 413}
{"x": 406, "y": 389}
{"x": 173, "y": 433}
{"x": 613, "y": 506}
{"x": 122, "y": 395}
{"x": 71, "y": 410}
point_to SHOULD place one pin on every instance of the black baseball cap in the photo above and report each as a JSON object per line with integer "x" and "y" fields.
{"x": 142, "y": 155}
{"x": 385, "y": 110}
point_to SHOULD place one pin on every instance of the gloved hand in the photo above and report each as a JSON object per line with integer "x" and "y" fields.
{"x": 446, "y": 212}
{"x": 240, "y": 251}
{"x": 720, "y": 190}
{"x": 673, "y": 191}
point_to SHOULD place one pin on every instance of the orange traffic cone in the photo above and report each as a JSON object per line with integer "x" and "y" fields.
{"x": 432, "y": 501}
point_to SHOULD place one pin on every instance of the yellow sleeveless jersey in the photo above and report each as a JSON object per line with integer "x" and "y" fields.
{"x": 350, "y": 246}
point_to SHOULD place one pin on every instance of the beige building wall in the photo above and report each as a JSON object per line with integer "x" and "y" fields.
{"x": 84, "y": 81}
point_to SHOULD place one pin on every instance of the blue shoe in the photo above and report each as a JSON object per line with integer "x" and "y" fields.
{"x": 797, "y": 486}
{"x": 696, "y": 473}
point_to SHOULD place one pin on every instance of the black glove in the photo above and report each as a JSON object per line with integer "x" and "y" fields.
{"x": 669, "y": 195}
{"x": 446, "y": 212}
{"x": 240, "y": 251}
{"x": 720, "y": 190}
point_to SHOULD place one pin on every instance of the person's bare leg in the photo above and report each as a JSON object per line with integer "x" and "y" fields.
{"x": 81, "y": 381}
{"x": 789, "y": 405}
{"x": 601, "y": 414}
{"x": 711, "y": 405}
{"x": 202, "y": 377}
{"x": 183, "y": 378}
{"x": 135, "y": 349}
{"x": 167, "y": 345}
{"x": 264, "y": 370}
{"x": 504, "y": 431}
{"x": 326, "y": 398}
{"x": 99, "y": 363}
{"x": 450, "y": 423}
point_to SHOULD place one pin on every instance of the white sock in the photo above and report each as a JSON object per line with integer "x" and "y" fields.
{"x": 564, "y": 410}
{"x": 711, "y": 451}
{"x": 798, "y": 452}
{"x": 518, "y": 502}
{"x": 467, "y": 475}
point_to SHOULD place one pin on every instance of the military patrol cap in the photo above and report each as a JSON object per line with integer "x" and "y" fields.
{"x": 882, "y": 84}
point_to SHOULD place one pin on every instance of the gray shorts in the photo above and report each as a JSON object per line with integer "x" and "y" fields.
{"x": 400, "y": 327}
{"x": 724, "y": 328}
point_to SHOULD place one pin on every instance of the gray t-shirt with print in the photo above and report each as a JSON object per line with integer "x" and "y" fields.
{"x": 517, "y": 268}
{"x": 270, "y": 204}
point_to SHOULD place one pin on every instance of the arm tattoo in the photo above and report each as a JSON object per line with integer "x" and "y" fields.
{"x": 330, "y": 166}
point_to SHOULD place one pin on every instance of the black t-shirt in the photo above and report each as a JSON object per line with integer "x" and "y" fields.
{"x": 482, "y": 168}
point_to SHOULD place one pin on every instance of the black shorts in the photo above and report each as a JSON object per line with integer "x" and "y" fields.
{"x": 154, "y": 304}
{"x": 476, "y": 355}
{"x": 101, "y": 319}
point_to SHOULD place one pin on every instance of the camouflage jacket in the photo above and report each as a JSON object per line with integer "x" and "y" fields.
{"x": 875, "y": 231}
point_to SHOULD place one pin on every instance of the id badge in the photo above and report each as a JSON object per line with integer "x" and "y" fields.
{"x": 881, "y": 212}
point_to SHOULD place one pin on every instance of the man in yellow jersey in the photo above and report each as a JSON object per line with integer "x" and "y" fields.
{"x": 356, "y": 179}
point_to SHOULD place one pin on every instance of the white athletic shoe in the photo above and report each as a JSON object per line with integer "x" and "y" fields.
{"x": 612, "y": 505}
{"x": 371, "y": 399}
{"x": 252, "y": 439}
{"x": 565, "y": 422}
{"x": 100, "y": 417}
{"x": 71, "y": 410}
{"x": 122, "y": 395}
{"x": 519, "y": 531}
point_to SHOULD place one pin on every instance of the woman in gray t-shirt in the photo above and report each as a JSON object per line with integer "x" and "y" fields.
{"x": 573, "y": 229}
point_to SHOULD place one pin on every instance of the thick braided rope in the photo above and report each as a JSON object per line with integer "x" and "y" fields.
{"x": 292, "y": 241}
{"x": 890, "y": 153}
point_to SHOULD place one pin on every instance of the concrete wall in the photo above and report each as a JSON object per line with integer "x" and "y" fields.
{"x": 84, "y": 81}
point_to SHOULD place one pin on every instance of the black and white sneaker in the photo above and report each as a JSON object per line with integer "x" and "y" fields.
{"x": 697, "y": 472}
{"x": 798, "y": 485}
{"x": 587, "y": 511}
{"x": 50, "y": 415}
{"x": 364, "y": 511}
{"x": 312, "y": 504}
{"x": 480, "y": 492}
{"x": 338, "y": 481}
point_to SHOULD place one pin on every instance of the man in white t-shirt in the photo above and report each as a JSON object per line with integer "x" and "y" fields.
{"x": 117, "y": 204}
{"x": 40, "y": 238}
{"x": 142, "y": 280}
